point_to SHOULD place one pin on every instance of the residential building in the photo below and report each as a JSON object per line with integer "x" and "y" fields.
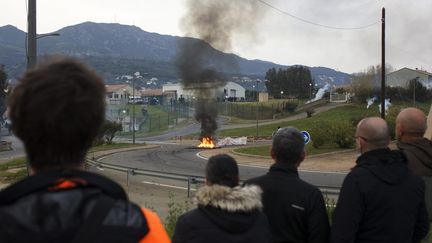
{"x": 402, "y": 77}
{"x": 230, "y": 90}
{"x": 117, "y": 94}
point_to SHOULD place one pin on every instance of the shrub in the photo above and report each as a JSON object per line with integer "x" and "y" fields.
{"x": 391, "y": 120}
{"x": 107, "y": 132}
{"x": 175, "y": 210}
{"x": 309, "y": 112}
{"x": 319, "y": 134}
{"x": 290, "y": 107}
{"x": 330, "y": 206}
{"x": 355, "y": 120}
{"x": 342, "y": 134}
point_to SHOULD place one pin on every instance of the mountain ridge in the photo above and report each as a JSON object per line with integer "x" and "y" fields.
{"x": 155, "y": 52}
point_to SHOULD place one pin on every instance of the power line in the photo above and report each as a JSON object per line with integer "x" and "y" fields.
{"x": 316, "y": 24}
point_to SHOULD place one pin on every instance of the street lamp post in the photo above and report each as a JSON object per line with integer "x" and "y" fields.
{"x": 281, "y": 94}
{"x": 31, "y": 43}
{"x": 31, "y": 34}
{"x": 310, "y": 88}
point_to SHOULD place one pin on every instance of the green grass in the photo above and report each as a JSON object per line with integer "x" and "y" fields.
{"x": 264, "y": 150}
{"x": 14, "y": 163}
{"x": 10, "y": 171}
{"x": 344, "y": 113}
{"x": 105, "y": 147}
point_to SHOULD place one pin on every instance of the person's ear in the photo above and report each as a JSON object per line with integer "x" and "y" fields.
{"x": 399, "y": 131}
{"x": 302, "y": 155}
{"x": 272, "y": 153}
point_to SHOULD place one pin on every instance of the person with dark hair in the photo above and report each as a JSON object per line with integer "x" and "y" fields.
{"x": 57, "y": 110}
{"x": 380, "y": 199}
{"x": 226, "y": 212}
{"x": 295, "y": 208}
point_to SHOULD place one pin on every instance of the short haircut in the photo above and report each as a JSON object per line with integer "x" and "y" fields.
{"x": 374, "y": 131}
{"x": 57, "y": 110}
{"x": 413, "y": 121}
{"x": 288, "y": 145}
{"x": 222, "y": 169}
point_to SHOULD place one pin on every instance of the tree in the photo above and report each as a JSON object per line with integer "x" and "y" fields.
{"x": 417, "y": 91}
{"x": 367, "y": 84}
{"x": 107, "y": 132}
{"x": 293, "y": 81}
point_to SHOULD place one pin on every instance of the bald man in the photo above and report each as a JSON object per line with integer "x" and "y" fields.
{"x": 410, "y": 128}
{"x": 380, "y": 199}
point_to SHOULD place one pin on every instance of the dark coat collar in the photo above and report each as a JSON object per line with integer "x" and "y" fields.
{"x": 286, "y": 168}
{"x": 43, "y": 181}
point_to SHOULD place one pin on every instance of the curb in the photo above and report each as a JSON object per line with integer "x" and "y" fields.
{"x": 105, "y": 153}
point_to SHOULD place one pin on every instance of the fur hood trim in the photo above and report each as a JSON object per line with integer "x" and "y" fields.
{"x": 238, "y": 199}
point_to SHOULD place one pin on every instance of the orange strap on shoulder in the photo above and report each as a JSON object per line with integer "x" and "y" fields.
{"x": 157, "y": 233}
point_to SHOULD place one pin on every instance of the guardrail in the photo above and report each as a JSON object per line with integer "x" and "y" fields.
{"x": 190, "y": 179}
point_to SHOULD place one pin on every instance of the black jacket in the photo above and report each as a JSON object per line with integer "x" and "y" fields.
{"x": 295, "y": 209}
{"x": 55, "y": 206}
{"x": 224, "y": 215}
{"x": 380, "y": 201}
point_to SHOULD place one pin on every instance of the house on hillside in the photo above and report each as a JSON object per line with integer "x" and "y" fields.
{"x": 402, "y": 77}
{"x": 231, "y": 91}
{"x": 117, "y": 94}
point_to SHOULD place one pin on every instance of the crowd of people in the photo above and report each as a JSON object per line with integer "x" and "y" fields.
{"x": 58, "y": 107}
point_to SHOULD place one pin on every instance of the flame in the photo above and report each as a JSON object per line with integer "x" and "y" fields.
{"x": 206, "y": 143}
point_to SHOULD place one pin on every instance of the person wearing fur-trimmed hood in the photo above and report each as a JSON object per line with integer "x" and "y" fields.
{"x": 226, "y": 212}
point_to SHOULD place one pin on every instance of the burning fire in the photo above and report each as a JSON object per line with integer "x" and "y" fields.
{"x": 206, "y": 143}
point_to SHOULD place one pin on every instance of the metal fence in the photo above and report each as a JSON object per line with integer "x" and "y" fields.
{"x": 189, "y": 180}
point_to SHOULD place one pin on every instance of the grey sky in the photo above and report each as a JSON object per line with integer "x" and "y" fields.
{"x": 278, "y": 38}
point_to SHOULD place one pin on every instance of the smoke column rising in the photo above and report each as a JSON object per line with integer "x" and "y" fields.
{"x": 215, "y": 22}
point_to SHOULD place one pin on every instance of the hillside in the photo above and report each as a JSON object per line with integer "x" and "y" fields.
{"x": 115, "y": 49}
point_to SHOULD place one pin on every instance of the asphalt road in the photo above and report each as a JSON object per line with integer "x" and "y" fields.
{"x": 183, "y": 159}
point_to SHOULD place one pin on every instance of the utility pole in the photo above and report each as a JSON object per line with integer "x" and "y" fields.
{"x": 414, "y": 88}
{"x": 257, "y": 102}
{"x": 383, "y": 64}
{"x": 133, "y": 111}
{"x": 31, "y": 34}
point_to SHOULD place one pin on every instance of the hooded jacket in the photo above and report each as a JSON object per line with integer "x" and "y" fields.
{"x": 225, "y": 215}
{"x": 419, "y": 155}
{"x": 419, "y": 160}
{"x": 380, "y": 201}
{"x": 74, "y": 206}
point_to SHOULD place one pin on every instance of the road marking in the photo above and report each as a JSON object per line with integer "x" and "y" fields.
{"x": 266, "y": 167}
{"x": 200, "y": 156}
{"x": 166, "y": 185}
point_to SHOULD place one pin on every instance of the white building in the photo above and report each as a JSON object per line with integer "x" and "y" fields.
{"x": 230, "y": 90}
{"x": 402, "y": 77}
{"x": 117, "y": 94}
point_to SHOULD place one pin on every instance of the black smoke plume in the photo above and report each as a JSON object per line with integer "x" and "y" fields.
{"x": 200, "y": 66}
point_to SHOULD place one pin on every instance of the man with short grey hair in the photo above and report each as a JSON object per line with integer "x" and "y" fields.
{"x": 295, "y": 209}
{"x": 380, "y": 199}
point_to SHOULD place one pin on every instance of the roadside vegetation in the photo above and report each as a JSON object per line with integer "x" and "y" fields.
{"x": 13, "y": 170}
{"x": 330, "y": 131}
